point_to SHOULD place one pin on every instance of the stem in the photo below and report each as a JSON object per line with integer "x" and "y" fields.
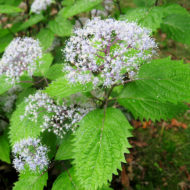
{"x": 156, "y": 2}
{"x": 78, "y": 19}
{"x": 118, "y": 6}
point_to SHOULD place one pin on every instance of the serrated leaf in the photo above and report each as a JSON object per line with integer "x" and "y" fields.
{"x": 46, "y": 37}
{"x": 98, "y": 151}
{"x": 23, "y": 128}
{"x": 60, "y": 26}
{"x": 7, "y": 9}
{"x": 31, "y": 182}
{"x": 55, "y": 71}
{"x": 65, "y": 149}
{"x": 4, "y": 149}
{"x": 147, "y": 17}
{"x": 149, "y": 108}
{"x": 177, "y": 27}
{"x": 158, "y": 91}
{"x": 5, "y": 40}
{"x": 79, "y": 7}
{"x": 45, "y": 64}
{"x": 68, "y": 181}
{"x": 62, "y": 88}
{"x": 4, "y": 84}
{"x": 174, "y": 9}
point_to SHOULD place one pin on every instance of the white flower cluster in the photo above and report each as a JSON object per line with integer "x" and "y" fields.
{"x": 40, "y": 5}
{"x": 56, "y": 118}
{"x": 9, "y": 99}
{"x": 30, "y": 153}
{"x": 20, "y": 57}
{"x": 107, "y": 52}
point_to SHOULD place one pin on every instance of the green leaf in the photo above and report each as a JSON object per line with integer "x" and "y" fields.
{"x": 7, "y": 9}
{"x": 11, "y": 2}
{"x": 5, "y": 40}
{"x": 30, "y": 22}
{"x": 60, "y": 26}
{"x": 177, "y": 27}
{"x": 144, "y": 3}
{"x": 68, "y": 181}
{"x": 79, "y": 7}
{"x": 158, "y": 91}
{"x": 4, "y": 85}
{"x": 25, "y": 93}
{"x": 4, "y": 149}
{"x": 99, "y": 147}
{"x": 62, "y": 88}
{"x": 65, "y": 149}
{"x": 146, "y": 17}
{"x": 174, "y": 9}
{"x": 45, "y": 37}
{"x": 31, "y": 182}
{"x": 20, "y": 129}
{"x": 55, "y": 71}
{"x": 45, "y": 64}
{"x": 150, "y": 108}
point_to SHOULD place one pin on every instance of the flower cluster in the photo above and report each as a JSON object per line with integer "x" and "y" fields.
{"x": 30, "y": 153}
{"x": 9, "y": 99}
{"x": 107, "y": 52}
{"x": 56, "y": 118}
{"x": 40, "y": 5}
{"x": 20, "y": 57}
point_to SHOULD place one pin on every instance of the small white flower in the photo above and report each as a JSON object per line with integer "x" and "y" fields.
{"x": 20, "y": 57}
{"x": 40, "y": 5}
{"x": 56, "y": 118}
{"x": 107, "y": 51}
{"x": 30, "y": 153}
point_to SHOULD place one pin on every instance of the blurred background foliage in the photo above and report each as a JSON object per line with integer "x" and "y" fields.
{"x": 160, "y": 157}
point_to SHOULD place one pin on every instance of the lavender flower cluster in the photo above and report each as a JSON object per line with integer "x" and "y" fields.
{"x": 40, "y": 5}
{"x": 107, "y": 52}
{"x": 20, "y": 57}
{"x": 56, "y": 118}
{"x": 30, "y": 154}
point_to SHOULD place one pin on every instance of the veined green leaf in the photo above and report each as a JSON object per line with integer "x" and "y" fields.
{"x": 159, "y": 91}
{"x": 79, "y": 7}
{"x": 31, "y": 182}
{"x": 177, "y": 27}
{"x": 23, "y": 128}
{"x": 7, "y": 9}
{"x": 46, "y": 38}
{"x": 4, "y": 149}
{"x": 68, "y": 181}
{"x": 65, "y": 149}
{"x": 60, "y": 26}
{"x": 98, "y": 151}
{"x": 62, "y": 88}
{"x": 55, "y": 71}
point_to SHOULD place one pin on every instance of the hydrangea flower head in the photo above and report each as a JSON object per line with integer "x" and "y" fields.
{"x": 56, "y": 118}
{"x": 40, "y": 5}
{"x": 19, "y": 57}
{"x": 107, "y": 52}
{"x": 30, "y": 153}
